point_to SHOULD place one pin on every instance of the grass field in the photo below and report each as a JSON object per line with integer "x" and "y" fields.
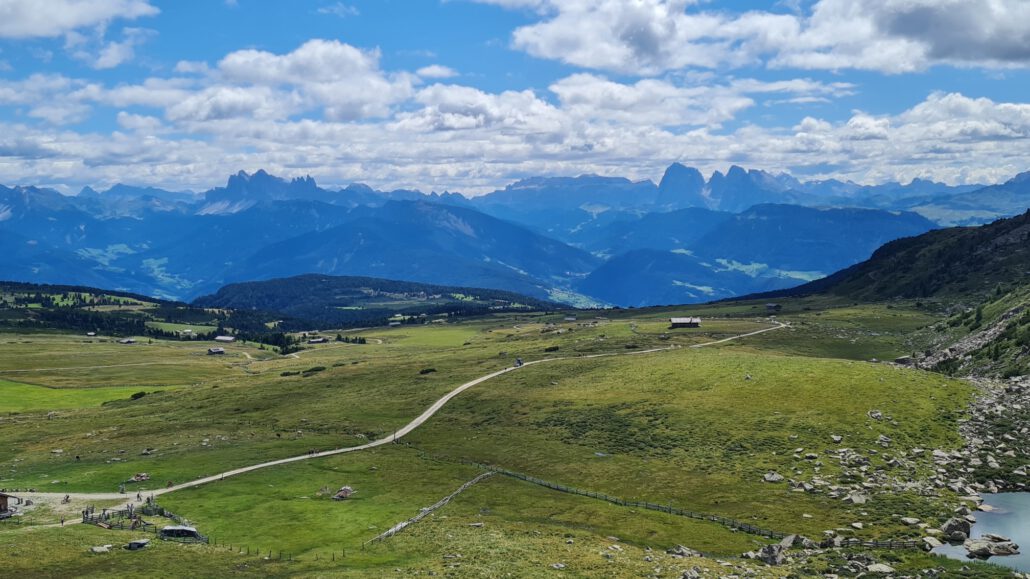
{"x": 694, "y": 427}
{"x": 16, "y": 397}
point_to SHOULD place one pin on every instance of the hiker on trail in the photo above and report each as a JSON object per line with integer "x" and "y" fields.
{"x": 139, "y": 497}
{"x": 62, "y": 521}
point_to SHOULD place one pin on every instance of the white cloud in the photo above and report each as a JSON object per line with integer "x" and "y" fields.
{"x": 346, "y": 82}
{"x": 116, "y": 53}
{"x": 49, "y": 18}
{"x": 329, "y": 109}
{"x": 648, "y": 37}
{"x": 339, "y": 9}
{"x": 436, "y": 71}
{"x": 141, "y": 123}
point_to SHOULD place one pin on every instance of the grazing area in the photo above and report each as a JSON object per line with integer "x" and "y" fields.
{"x": 615, "y": 403}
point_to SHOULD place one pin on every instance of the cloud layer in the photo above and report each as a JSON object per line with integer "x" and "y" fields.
{"x": 643, "y": 92}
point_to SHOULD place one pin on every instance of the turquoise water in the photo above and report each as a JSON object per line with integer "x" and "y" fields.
{"x": 1010, "y": 519}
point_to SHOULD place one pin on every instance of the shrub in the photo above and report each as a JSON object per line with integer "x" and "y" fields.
{"x": 137, "y": 395}
{"x": 425, "y": 371}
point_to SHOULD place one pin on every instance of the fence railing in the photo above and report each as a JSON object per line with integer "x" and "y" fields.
{"x": 425, "y": 512}
{"x": 725, "y": 521}
{"x": 129, "y": 519}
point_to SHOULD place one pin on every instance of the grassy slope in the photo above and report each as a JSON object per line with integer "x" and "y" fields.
{"x": 682, "y": 427}
{"x": 694, "y": 432}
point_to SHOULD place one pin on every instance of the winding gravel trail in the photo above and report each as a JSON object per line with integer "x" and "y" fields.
{"x": 50, "y": 498}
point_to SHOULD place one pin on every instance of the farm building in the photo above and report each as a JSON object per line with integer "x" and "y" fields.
{"x": 318, "y": 341}
{"x": 183, "y": 534}
{"x": 684, "y": 322}
{"x": 225, "y": 339}
{"x": 6, "y": 505}
{"x": 126, "y": 341}
{"x": 394, "y": 324}
{"x": 215, "y": 351}
{"x": 570, "y": 318}
{"x": 91, "y": 334}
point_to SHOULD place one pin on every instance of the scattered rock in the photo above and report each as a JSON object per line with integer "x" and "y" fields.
{"x": 875, "y": 414}
{"x": 910, "y": 521}
{"x": 956, "y": 529}
{"x": 856, "y": 498}
{"x": 558, "y": 566}
{"x": 773, "y": 477}
{"x": 681, "y": 552}
{"x": 983, "y": 549}
{"x": 879, "y": 569}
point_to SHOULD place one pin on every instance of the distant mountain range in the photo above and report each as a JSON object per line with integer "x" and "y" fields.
{"x": 583, "y": 240}
{"x": 325, "y": 301}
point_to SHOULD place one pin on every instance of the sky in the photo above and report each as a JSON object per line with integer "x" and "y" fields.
{"x": 470, "y": 95}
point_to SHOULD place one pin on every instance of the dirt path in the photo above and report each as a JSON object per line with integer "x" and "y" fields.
{"x": 778, "y": 326}
{"x": 52, "y": 498}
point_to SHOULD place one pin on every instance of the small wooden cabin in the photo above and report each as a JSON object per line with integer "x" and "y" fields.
{"x": 7, "y": 503}
{"x": 684, "y": 322}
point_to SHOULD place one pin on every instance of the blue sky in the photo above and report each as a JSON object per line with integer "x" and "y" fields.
{"x": 469, "y": 95}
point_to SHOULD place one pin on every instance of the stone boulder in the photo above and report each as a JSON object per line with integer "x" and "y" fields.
{"x": 681, "y": 552}
{"x": 956, "y": 529}
{"x": 772, "y": 477}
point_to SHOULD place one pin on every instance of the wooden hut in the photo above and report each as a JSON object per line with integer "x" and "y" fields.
{"x": 684, "y": 322}
{"x": 7, "y": 503}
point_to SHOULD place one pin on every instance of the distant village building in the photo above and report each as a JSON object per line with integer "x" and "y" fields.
{"x": 225, "y": 339}
{"x": 318, "y": 341}
{"x": 126, "y": 341}
{"x": 684, "y": 322}
{"x": 570, "y": 318}
{"x": 6, "y": 505}
{"x": 394, "y": 324}
{"x": 773, "y": 307}
{"x": 215, "y": 351}
{"x": 91, "y": 334}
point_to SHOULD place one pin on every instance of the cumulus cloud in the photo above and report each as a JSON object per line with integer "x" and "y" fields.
{"x": 331, "y": 110}
{"x": 117, "y": 52}
{"x": 647, "y": 37}
{"x": 49, "y": 18}
{"x": 342, "y": 79}
{"x": 436, "y": 71}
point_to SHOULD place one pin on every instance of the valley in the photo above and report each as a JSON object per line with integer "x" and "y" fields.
{"x": 700, "y": 428}
{"x": 585, "y": 241}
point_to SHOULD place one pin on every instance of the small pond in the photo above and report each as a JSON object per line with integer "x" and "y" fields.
{"x": 1010, "y": 518}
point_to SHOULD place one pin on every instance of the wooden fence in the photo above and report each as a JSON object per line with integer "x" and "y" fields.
{"x": 728, "y": 522}
{"x": 425, "y": 512}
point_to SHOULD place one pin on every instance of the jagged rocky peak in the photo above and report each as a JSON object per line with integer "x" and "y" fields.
{"x": 682, "y": 186}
